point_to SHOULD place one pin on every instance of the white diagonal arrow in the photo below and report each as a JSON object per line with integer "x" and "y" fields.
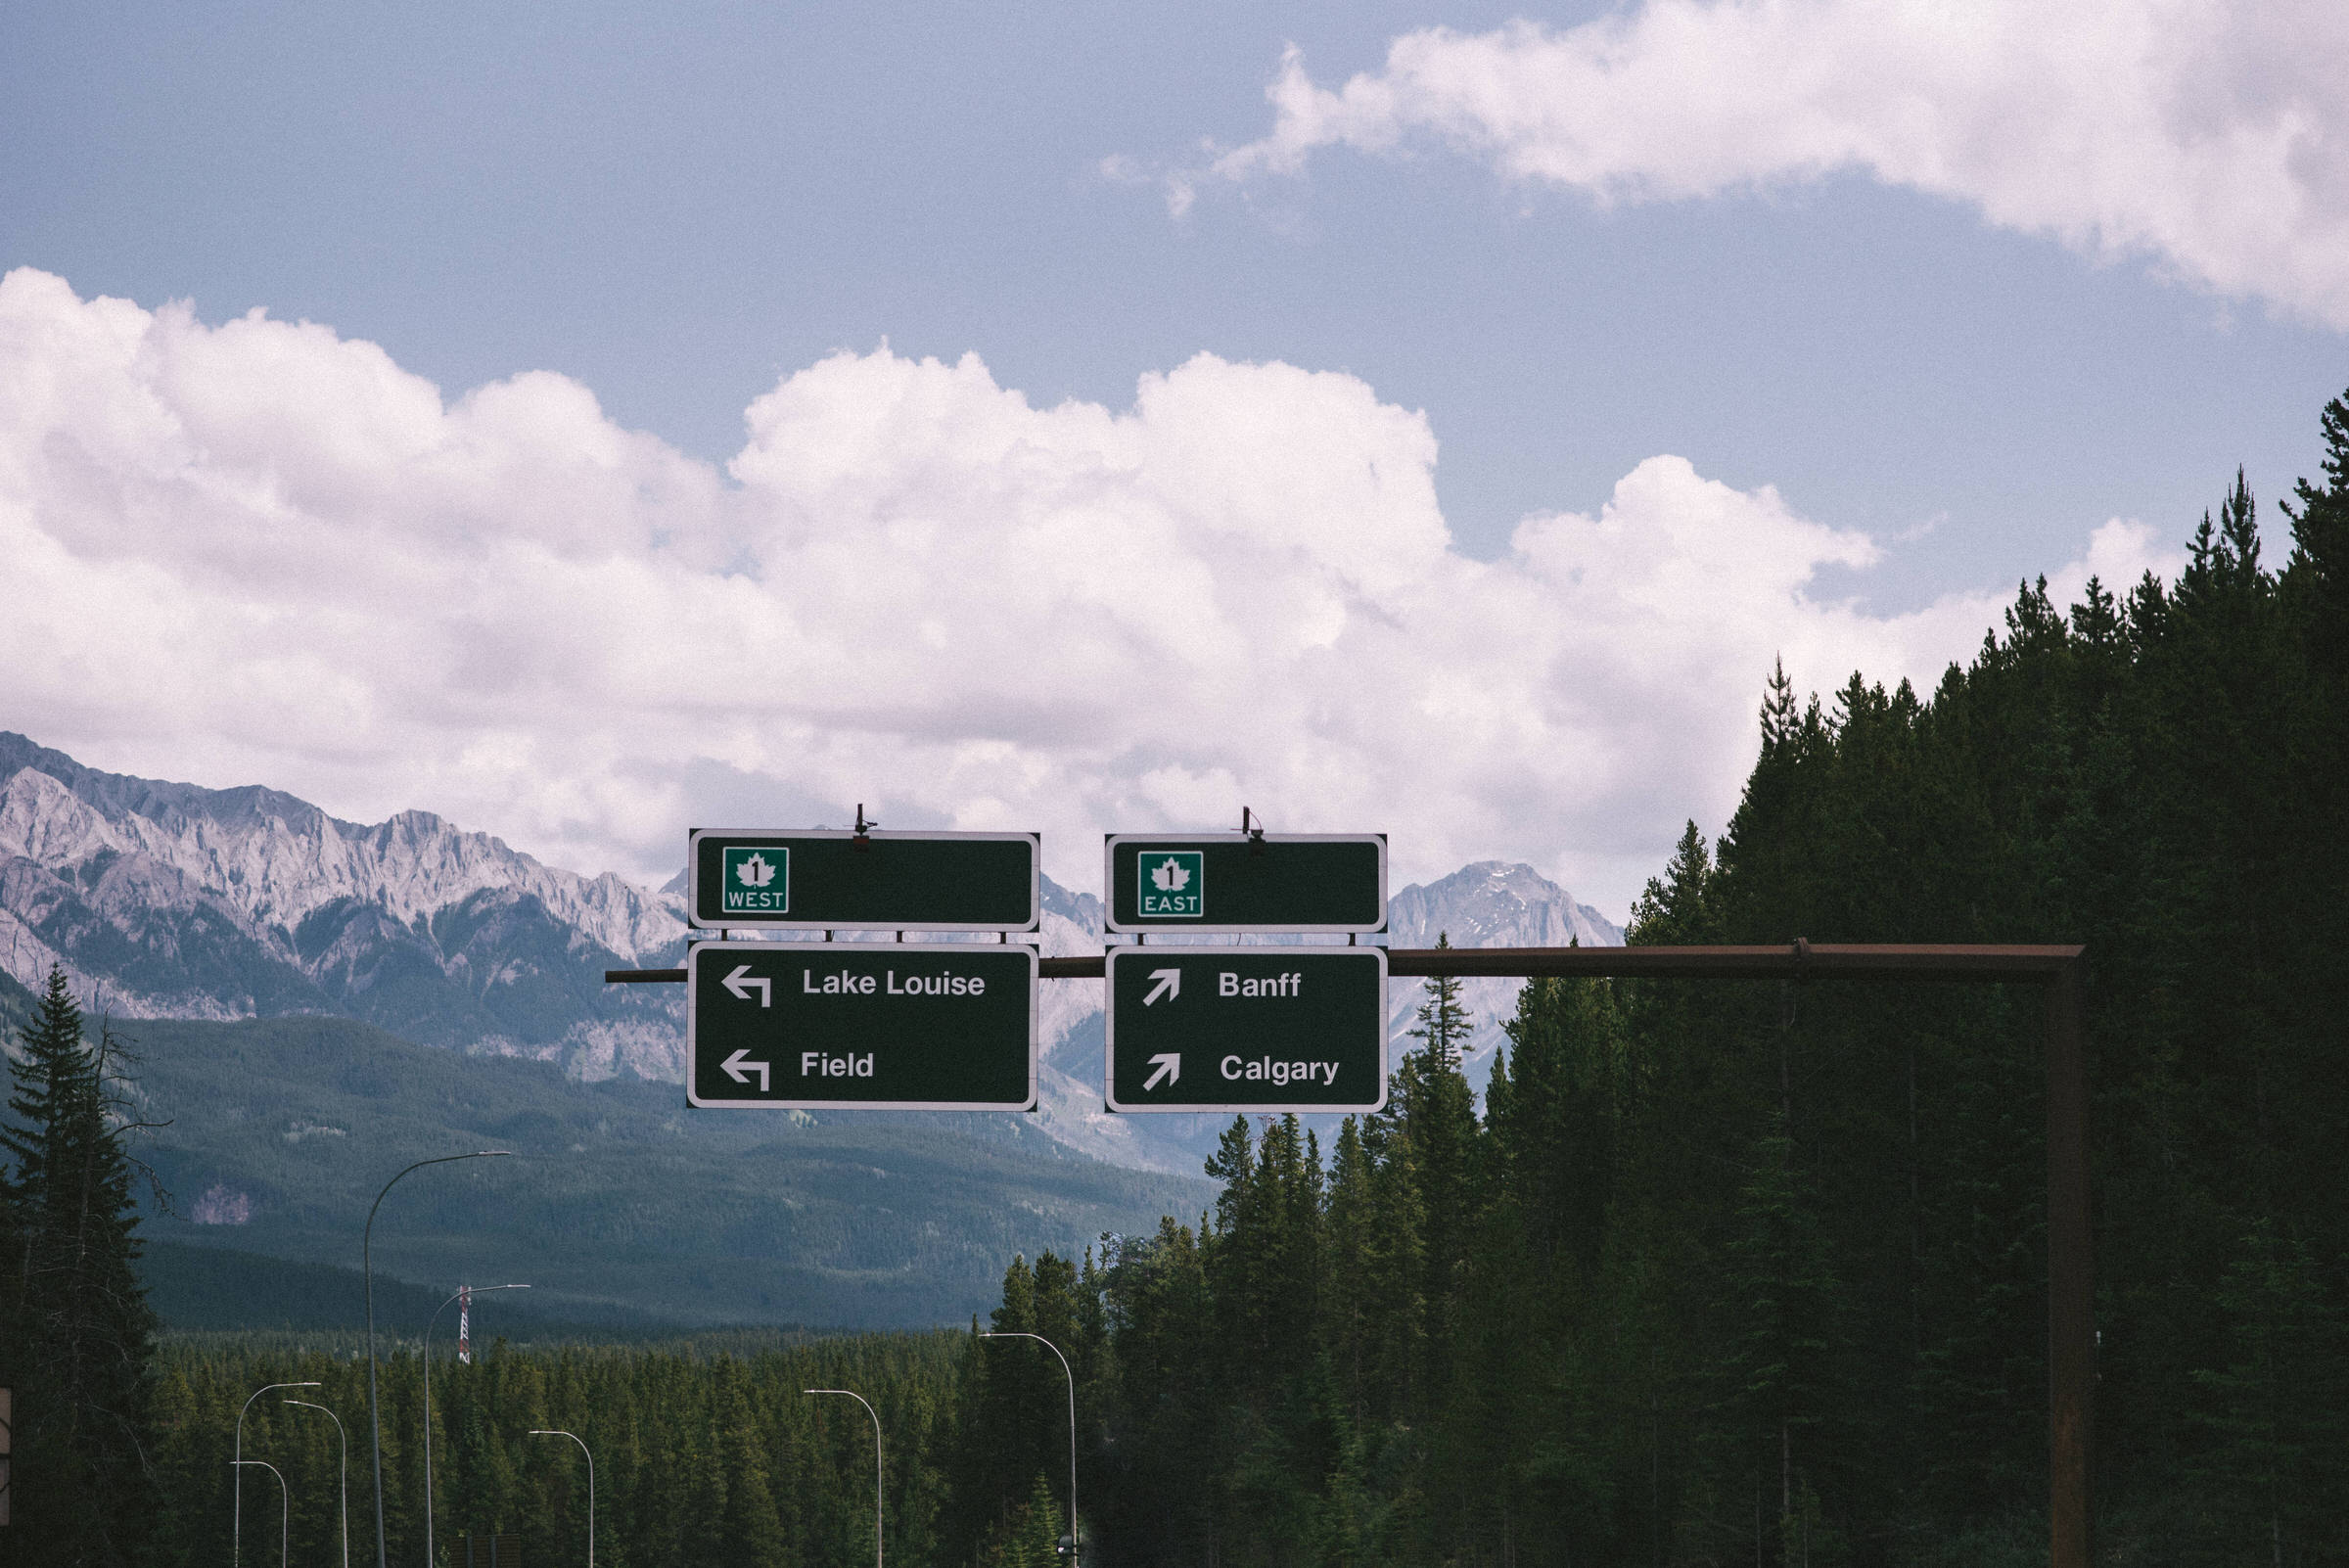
{"x": 742, "y": 987}
{"x": 1169, "y": 1065}
{"x": 739, "y": 1066}
{"x": 1170, "y": 985}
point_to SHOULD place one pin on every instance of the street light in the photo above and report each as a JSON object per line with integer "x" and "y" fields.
{"x": 285, "y": 1523}
{"x": 1017, "y": 1333}
{"x": 236, "y": 1531}
{"x": 868, "y": 1410}
{"x": 375, "y": 1420}
{"x": 344, "y": 1438}
{"x": 431, "y": 1561}
{"x": 574, "y": 1437}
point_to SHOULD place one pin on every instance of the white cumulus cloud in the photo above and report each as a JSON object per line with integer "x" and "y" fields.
{"x": 257, "y": 553}
{"x": 2209, "y": 136}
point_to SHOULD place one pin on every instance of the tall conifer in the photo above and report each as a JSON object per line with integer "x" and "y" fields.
{"x": 1439, "y": 1113}
{"x": 84, "y": 1328}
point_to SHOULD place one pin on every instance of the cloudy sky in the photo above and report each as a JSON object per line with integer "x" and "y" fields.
{"x": 1423, "y": 418}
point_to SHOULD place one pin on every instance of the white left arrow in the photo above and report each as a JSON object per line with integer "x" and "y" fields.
{"x": 1170, "y": 1069}
{"x": 739, "y": 1067}
{"x": 742, "y": 987}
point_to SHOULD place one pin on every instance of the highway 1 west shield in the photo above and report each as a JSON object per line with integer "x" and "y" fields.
{"x": 832, "y": 879}
{"x": 1247, "y": 1029}
{"x": 946, "y": 1026}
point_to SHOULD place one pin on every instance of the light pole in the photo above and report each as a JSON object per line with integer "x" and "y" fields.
{"x": 236, "y": 1529}
{"x": 869, "y": 1411}
{"x": 344, "y": 1440}
{"x": 375, "y": 1420}
{"x": 1017, "y": 1333}
{"x": 431, "y": 1561}
{"x": 574, "y": 1437}
{"x": 285, "y": 1523}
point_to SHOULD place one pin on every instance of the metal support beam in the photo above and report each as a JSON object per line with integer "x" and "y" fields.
{"x": 1976, "y": 964}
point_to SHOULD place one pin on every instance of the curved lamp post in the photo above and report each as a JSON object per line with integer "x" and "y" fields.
{"x": 285, "y": 1524}
{"x": 575, "y": 1438}
{"x": 869, "y": 1411}
{"x": 344, "y": 1440}
{"x": 236, "y": 1535}
{"x": 375, "y": 1420}
{"x": 431, "y": 1561}
{"x": 1015, "y": 1333}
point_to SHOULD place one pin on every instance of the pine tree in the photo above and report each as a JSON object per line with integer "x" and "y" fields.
{"x": 752, "y": 1535}
{"x": 2319, "y": 571}
{"x": 1439, "y": 1114}
{"x": 2275, "y": 1407}
{"x": 16, "y": 1240}
{"x": 1674, "y": 909}
{"x": 1163, "y": 1441}
{"x": 1444, "y": 1022}
{"x": 81, "y": 1429}
{"x": 1787, "y": 1318}
{"x": 1346, "y": 1319}
{"x": 1031, "y": 1537}
{"x": 1555, "y": 1114}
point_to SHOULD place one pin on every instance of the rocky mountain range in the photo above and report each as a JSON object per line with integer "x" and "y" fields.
{"x": 172, "y": 900}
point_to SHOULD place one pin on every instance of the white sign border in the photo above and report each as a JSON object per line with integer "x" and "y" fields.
{"x": 790, "y": 922}
{"x": 861, "y": 949}
{"x": 1112, "y": 843}
{"x": 1141, "y": 954}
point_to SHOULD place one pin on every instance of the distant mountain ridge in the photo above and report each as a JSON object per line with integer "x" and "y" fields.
{"x": 1488, "y": 904}
{"x": 167, "y": 899}
{"x": 1493, "y": 903}
{"x": 618, "y": 1201}
{"x": 278, "y": 859}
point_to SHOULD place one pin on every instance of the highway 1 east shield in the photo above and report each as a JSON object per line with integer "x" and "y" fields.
{"x": 946, "y": 1026}
{"x": 1298, "y": 883}
{"x": 1247, "y": 1029}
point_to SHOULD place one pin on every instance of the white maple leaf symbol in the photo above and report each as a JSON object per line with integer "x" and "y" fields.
{"x": 1170, "y": 877}
{"x": 755, "y": 872}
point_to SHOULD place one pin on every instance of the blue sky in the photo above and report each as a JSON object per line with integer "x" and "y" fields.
{"x": 1974, "y": 345}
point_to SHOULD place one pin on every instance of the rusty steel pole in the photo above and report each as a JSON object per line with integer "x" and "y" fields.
{"x": 2071, "y": 1277}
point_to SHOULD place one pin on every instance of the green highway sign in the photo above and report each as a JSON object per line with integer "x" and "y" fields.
{"x": 1247, "y": 1029}
{"x": 836, "y": 880}
{"x": 946, "y": 1026}
{"x": 1279, "y": 882}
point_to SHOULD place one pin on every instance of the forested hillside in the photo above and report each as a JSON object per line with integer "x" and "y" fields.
{"x": 1750, "y": 1272}
{"x": 698, "y": 1458}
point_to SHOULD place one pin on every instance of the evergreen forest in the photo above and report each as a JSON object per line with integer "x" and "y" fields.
{"x": 1709, "y": 1273}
